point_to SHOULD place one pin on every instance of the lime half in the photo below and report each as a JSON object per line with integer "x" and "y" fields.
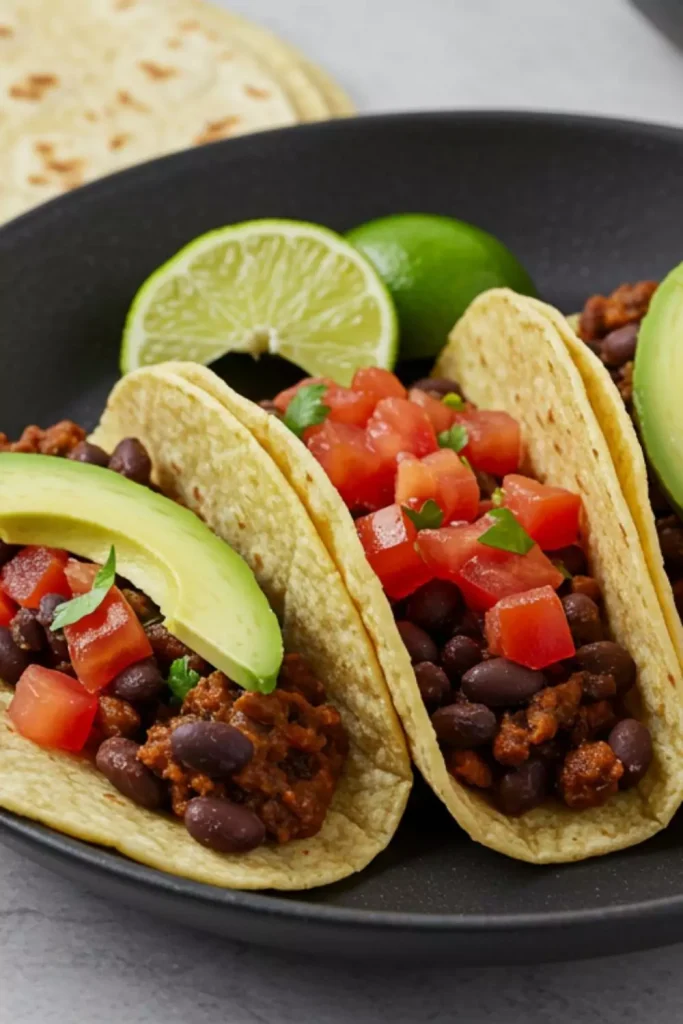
{"x": 280, "y": 286}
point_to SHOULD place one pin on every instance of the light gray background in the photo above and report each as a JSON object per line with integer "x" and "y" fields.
{"x": 67, "y": 957}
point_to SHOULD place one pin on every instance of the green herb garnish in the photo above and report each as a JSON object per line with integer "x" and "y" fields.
{"x": 182, "y": 678}
{"x": 455, "y": 438}
{"x": 429, "y": 517}
{"x": 306, "y": 409}
{"x": 453, "y": 400}
{"x": 507, "y": 534}
{"x": 466, "y": 462}
{"x": 561, "y": 567}
{"x": 76, "y": 609}
{"x": 498, "y": 497}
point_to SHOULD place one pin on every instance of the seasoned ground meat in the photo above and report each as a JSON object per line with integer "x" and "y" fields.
{"x": 297, "y": 676}
{"x": 511, "y": 745}
{"x": 590, "y": 775}
{"x": 168, "y": 648}
{"x": 470, "y": 767}
{"x": 592, "y": 721}
{"x": 57, "y": 440}
{"x": 625, "y": 305}
{"x": 143, "y": 606}
{"x": 554, "y": 708}
{"x": 116, "y": 718}
{"x": 299, "y": 752}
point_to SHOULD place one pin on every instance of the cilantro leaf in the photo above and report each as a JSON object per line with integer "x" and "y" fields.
{"x": 561, "y": 567}
{"x": 306, "y": 409}
{"x": 182, "y": 678}
{"x": 498, "y": 497}
{"x": 453, "y": 400}
{"x": 466, "y": 462}
{"x": 455, "y": 438}
{"x": 78, "y": 607}
{"x": 429, "y": 517}
{"x": 506, "y": 534}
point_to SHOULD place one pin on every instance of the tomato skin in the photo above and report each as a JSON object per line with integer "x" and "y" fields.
{"x": 105, "y": 642}
{"x": 388, "y": 538}
{"x": 34, "y": 572}
{"x": 353, "y": 467}
{"x": 347, "y": 406}
{"x": 52, "y": 709}
{"x": 446, "y": 550}
{"x": 551, "y": 515}
{"x": 371, "y": 380}
{"x": 440, "y": 416}
{"x": 282, "y": 400}
{"x": 444, "y": 478}
{"x": 495, "y": 440}
{"x": 8, "y": 609}
{"x": 398, "y": 425}
{"x": 530, "y": 629}
{"x": 491, "y": 574}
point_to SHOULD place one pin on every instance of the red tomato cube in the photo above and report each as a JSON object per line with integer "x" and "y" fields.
{"x": 444, "y": 478}
{"x": 282, "y": 400}
{"x": 398, "y": 425}
{"x": 34, "y": 572}
{"x": 105, "y": 642}
{"x": 495, "y": 440}
{"x": 440, "y": 416}
{"x": 347, "y": 406}
{"x": 491, "y": 574}
{"x": 388, "y": 538}
{"x": 81, "y": 575}
{"x": 52, "y": 709}
{"x": 530, "y": 628}
{"x": 446, "y": 550}
{"x": 548, "y": 514}
{"x": 353, "y": 467}
{"x": 379, "y": 383}
{"x": 8, "y": 609}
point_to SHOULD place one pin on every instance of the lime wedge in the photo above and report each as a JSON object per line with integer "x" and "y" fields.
{"x": 280, "y": 286}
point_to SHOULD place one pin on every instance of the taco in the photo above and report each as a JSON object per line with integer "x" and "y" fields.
{"x": 498, "y": 571}
{"x": 146, "y": 703}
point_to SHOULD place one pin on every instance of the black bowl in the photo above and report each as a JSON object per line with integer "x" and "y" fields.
{"x": 586, "y": 204}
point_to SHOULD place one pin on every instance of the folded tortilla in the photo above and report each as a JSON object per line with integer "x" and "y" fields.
{"x": 507, "y": 354}
{"x": 203, "y": 456}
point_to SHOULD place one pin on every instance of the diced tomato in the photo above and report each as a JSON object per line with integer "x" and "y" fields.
{"x": 446, "y": 550}
{"x": 484, "y": 506}
{"x": 548, "y": 514}
{"x": 52, "y": 709}
{"x": 444, "y": 478}
{"x": 495, "y": 440}
{"x": 34, "y": 572}
{"x": 530, "y": 628}
{"x": 105, "y": 642}
{"x": 353, "y": 467}
{"x": 388, "y": 538}
{"x": 8, "y": 609}
{"x": 282, "y": 400}
{"x": 440, "y": 416}
{"x": 379, "y": 383}
{"x": 81, "y": 575}
{"x": 398, "y": 425}
{"x": 491, "y": 574}
{"x": 347, "y": 406}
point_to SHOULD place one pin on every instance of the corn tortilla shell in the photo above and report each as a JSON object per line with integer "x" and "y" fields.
{"x": 506, "y": 355}
{"x": 203, "y": 456}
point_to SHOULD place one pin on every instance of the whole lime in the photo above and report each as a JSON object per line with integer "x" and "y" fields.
{"x": 433, "y": 267}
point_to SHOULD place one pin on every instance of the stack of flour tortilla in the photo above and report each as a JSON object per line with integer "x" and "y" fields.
{"x": 88, "y": 87}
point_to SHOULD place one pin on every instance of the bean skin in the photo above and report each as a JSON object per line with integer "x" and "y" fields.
{"x": 13, "y": 660}
{"x": 458, "y": 655}
{"x": 608, "y": 658}
{"x": 91, "y": 454}
{"x": 435, "y": 607}
{"x": 433, "y": 683}
{"x": 464, "y": 725}
{"x": 223, "y": 826}
{"x": 27, "y": 632}
{"x": 500, "y": 683}
{"x": 419, "y": 644}
{"x": 215, "y": 749}
{"x": 573, "y": 559}
{"x": 619, "y": 347}
{"x": 632, "y": 743}
{"x": 117, "y": 760}
{"x": 131, "y": 460}
{"x": 49, "y": 604}
{"x": 139, "y": 682}
{"x": 583, "y": 616}
{"x": 523, "y": 789}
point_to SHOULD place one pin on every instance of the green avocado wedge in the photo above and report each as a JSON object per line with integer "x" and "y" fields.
{"x": 207, "y": 593}
{"x": 658, "y": 384}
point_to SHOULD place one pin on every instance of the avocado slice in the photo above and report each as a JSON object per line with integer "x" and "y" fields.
{"x": 657, "y": 379}
{"x": 206, "y": 591}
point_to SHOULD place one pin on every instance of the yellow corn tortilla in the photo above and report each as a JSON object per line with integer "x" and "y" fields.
{"x": 506, "y": 355}
{"x": 203, "y": 456}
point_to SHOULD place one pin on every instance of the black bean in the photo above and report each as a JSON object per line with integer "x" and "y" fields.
{"x": 419, "y": 644}
{"x": 583, "y": 616}
{"x": 13, "y": 660}
{"x": 117, "y": 760}
{"x": 464, "y": 725}
{"x": 48, "y": 606}
{"x": 670, "y": 531}
{"x": 608, "y": 658}
{"x": 433, "y": 683}
{"x": 435, "y": 607}
{"x": 632, "y": 743}
{"x": 139, "y": 682}
{"x": 27, "y": 632}
{"x": 487, "y": 482}
{"x": 470, "y": 624}
{"x": 439, "y": 386}
{"x": 59, "y": 649}
{"x": 459, "y": 654}
{"x": 523, "y": 789}
{"x": 223, "y": 826}
{"x": 7, "y": 551}
{"x": 500, "y": 683}
{"x": 573, "y": 559}
{"x": 214, "y": 748}
{"x": 90, "y": 453}
{"x": 619, "y": 347}
{"x": 131, "y": 460}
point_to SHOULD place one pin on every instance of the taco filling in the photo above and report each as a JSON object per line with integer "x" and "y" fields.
{"x": 95, "y": 672}
{"x": 490, "y": 587}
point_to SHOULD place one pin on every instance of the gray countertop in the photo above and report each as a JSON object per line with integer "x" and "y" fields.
{"x": 67, "y": 956}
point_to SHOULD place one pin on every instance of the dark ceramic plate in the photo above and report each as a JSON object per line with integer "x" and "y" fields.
{"x": 585, "y": 204}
